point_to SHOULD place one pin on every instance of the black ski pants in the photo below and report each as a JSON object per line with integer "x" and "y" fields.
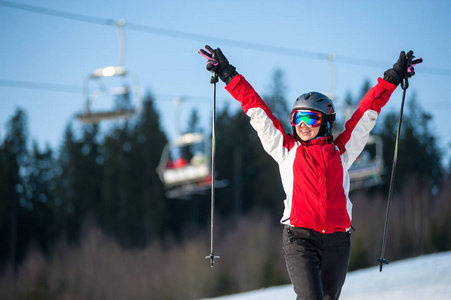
{"x": 317, "y": 263}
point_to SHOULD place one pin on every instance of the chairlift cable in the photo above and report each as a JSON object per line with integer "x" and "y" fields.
{"x": 57, "y": 13}
{"x": 233, "y": 43}
{"x": 64, "y": 88}
{"x": 54, "y": 87}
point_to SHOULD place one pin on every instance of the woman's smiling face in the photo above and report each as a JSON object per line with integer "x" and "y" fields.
{"x": 306, "y": 133}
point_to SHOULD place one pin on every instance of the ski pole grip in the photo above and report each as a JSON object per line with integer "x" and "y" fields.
{"x": 405, "y": 83}
{"x": 214, "y": 78}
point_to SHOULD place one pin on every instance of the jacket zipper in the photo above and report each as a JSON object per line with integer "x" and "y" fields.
{"x": 325, "y": 176}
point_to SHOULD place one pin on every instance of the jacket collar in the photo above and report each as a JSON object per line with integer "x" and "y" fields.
{"x": 318, "y": 141}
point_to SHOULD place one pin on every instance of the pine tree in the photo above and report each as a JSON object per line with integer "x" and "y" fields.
{"x": 134, "y": 206}
{"x": 151, "y": 209}
{"x": 276, "y": 99}
{"x": 235, "y": 162}
{"x": 65, "y": 193}
{"x": 13, "y": 201}
{"x": 78, "y": 193}
{"x": 40, "y": 220}
{"x": 114, "y": 211}
{"x": 418, "y": 153}
{"x": 267, "y": 185}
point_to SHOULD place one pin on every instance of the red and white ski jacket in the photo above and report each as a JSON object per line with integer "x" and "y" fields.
{"x": 314, "y": 174}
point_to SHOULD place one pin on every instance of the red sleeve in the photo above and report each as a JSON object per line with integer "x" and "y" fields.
{"x": 242, "y": 91}
{"x": 373, "y": 100}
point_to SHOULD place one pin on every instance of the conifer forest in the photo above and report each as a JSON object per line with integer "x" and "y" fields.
{"x": 91, "y": 219}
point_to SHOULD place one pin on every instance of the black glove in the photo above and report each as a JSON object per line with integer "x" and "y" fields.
{"x": 218, "y": 63}
{"x": 403, "y": 68}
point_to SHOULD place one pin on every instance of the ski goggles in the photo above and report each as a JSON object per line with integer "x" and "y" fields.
{"x": 309, "y": 117}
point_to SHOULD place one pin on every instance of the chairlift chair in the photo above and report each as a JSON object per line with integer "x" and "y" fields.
{"x": 366, "y": 171}
{"x": 185, "y": 166}
{"x": 101, "y": 83}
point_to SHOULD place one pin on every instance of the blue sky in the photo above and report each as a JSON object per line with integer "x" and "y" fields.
{"x": 364, "y": 36}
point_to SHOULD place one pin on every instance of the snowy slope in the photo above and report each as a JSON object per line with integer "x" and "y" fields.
{"x": 424, "y": 277}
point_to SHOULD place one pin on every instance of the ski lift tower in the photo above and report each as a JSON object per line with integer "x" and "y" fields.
{"x": 111, "y": 83}
{"x": 332, "y": 76}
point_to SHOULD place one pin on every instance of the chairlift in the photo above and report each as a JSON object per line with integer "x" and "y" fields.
{"x": 367, "y": 169}
{"x": 111, "y": 83}
{"x": 185, "y": 166}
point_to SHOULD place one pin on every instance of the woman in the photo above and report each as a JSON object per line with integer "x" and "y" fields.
{"x": 314, "y": 171}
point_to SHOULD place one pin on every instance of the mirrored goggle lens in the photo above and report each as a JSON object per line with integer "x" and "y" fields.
{"x": 310, "y": 118}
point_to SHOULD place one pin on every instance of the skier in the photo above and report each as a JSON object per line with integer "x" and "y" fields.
{"x": 314, "y": 171}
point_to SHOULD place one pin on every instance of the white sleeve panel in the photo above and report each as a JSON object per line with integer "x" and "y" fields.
{"x": 271, "y": 138}
{"x": 359, "y": 138}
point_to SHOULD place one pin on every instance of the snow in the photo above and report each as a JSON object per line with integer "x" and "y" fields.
{"x": 424, "y": 277}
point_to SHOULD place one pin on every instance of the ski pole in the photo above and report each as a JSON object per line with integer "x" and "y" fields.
{"x": 214, "y": 79}
{"x": 404, "y": 86}
{"x": 382, "y": 260}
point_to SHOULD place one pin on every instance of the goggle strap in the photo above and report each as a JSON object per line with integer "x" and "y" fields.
{"x": 328, "y": 118}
